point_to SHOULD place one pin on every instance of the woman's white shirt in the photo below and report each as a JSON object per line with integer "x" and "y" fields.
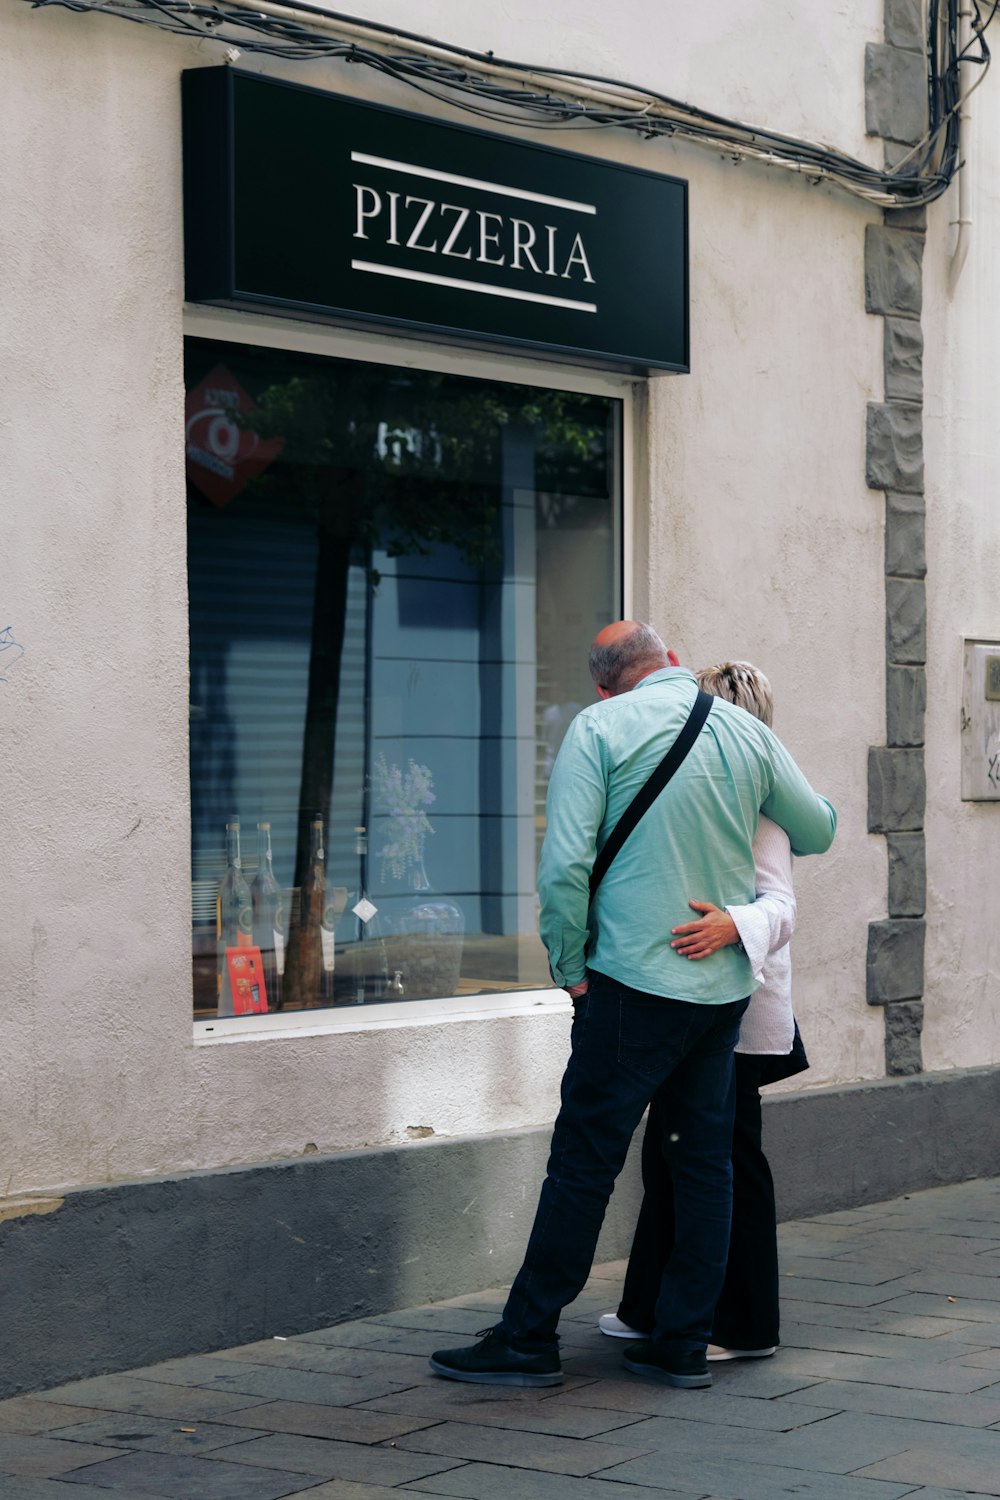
{"x": 765, "y": 926}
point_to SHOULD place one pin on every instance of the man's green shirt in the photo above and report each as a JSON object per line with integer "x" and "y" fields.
{"x": 694, "y": 843}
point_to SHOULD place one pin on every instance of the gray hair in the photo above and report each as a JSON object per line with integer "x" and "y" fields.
{"x": 743, "y": 684}
{"x": 618, "y": 667}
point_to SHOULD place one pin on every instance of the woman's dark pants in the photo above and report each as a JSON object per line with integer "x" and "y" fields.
{"x": 746, "y": 1316}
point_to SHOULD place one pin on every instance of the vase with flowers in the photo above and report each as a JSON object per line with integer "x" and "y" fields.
{"x": 427, "y": 931}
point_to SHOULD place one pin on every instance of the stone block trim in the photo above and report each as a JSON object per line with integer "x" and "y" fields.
{"x": 896, "y": 109}
{"x": 897, "y": 789}
{"x": 903, "y": 1025}
{"x": 903, "y": 360}
{"x": 893, "y": 270}
{"x": 905, "y": 705}
{"x": 907, "y": 874}
{"x": 905, "y": 545}
{"x": 895, "y": 93}
{"x": 906, "y": 620}
{"x": 906, "y": 218}
{"x": 894, "y": 457}
{"x": 896, "y": 155}
{"x": 903, "y": 24}
{"x": 895, "y": 960}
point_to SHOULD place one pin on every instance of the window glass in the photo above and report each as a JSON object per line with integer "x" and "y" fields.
{"x": 393, "y": 577}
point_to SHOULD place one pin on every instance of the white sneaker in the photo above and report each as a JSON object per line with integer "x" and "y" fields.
{"x": 615, "y": 1329}
{"x": 715, "y": 1352}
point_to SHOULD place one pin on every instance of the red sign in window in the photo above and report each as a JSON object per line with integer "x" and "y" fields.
{"x": 223, "y": 455}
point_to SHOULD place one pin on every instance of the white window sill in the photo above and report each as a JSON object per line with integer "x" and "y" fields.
{"x": 380, "y": 1017}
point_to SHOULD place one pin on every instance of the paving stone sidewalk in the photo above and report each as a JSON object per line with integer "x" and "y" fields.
{"x": 887, "y": 1385}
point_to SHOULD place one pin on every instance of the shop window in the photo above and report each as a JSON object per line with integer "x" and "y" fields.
{"x": 394, "y": 575}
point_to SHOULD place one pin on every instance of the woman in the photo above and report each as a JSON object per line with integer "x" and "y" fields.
{"x": 746, "y": 1316}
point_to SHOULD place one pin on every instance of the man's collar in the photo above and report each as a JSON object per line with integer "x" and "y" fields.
{"x": 663, "y": 674}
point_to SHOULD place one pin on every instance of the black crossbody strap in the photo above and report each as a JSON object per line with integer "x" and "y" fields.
{"x": 644, "y": 799}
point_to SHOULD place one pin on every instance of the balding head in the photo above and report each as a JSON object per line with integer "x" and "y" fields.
{"x": 624, "y": 653}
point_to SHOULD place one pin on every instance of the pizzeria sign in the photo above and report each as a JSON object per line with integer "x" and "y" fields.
{"x": 302, "y": 202}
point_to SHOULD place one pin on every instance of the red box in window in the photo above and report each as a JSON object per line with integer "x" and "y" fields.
{"x": 246, "y": 979}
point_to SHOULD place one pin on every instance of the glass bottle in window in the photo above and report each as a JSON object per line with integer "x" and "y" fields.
{"x": 369, "y": 957}
{"x": 333, "y": 906}
{"x": 303, "y": 979}
{"x": 314, "y": 949}
{"x": 233, "y": 918}
{"x": 268, "y": 918}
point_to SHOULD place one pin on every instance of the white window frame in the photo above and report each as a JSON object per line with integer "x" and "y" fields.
{"x": 374, "y": 348}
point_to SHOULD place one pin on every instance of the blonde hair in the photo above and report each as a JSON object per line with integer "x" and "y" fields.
{"x": 743, "y": 684}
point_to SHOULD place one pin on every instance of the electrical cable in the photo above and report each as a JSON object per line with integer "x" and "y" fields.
{"x": 514, "y": 94}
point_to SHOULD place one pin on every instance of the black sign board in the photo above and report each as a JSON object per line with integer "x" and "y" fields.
{"x": 301, "y": 201}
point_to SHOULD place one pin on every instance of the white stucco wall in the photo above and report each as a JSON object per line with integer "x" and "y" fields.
{"x": 763, "y": 542}
{"x": 962, "y": 437}
{"x": 766, "y": 544}
{"x": 791, "y": 65}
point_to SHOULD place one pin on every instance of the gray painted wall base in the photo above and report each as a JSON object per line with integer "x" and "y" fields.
{"x": 839, "y": 1148}
{"x": 123, "y": 1276}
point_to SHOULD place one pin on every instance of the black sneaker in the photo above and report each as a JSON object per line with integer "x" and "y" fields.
{"x": 500, "y": 1360}
{"x": 656, "y": 1361}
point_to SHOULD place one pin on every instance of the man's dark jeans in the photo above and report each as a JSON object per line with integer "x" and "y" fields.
{"x": 627, "y": 1045}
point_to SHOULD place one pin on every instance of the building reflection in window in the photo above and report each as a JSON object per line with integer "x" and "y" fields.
{"x": 393, "y": 578}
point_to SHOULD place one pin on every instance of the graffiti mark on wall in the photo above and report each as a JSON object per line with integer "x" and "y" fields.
{"x": 11, "y": 651}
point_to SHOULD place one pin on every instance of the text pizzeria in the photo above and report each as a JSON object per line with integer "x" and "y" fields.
{"x": 473, "y": 235}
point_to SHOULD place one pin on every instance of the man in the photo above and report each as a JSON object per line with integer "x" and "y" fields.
{"x": 647, "y": 1021}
